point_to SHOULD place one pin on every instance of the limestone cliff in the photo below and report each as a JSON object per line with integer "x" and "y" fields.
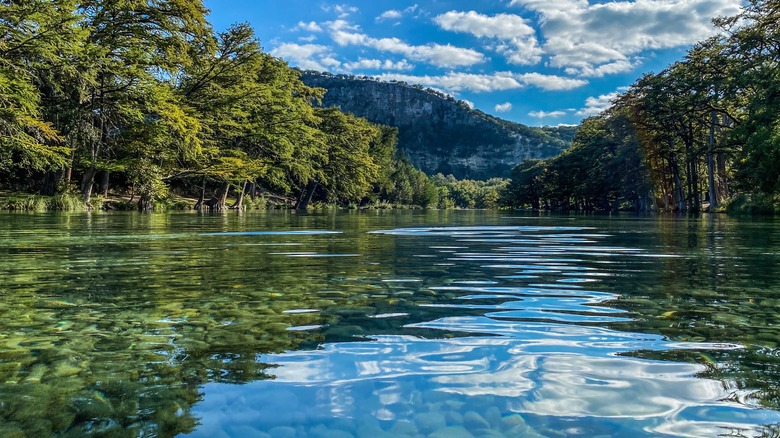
{"x": 437, "y": 132}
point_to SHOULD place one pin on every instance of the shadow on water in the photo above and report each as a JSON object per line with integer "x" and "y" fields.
{"x": 388, "y": 323}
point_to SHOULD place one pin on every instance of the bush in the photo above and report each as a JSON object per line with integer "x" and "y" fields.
{"x": 754, "y": 203}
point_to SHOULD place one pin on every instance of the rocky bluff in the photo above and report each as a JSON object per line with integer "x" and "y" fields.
{"x": 437, "y": 132}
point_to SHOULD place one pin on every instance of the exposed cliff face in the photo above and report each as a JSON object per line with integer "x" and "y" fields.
{"x": 437, "y": 132}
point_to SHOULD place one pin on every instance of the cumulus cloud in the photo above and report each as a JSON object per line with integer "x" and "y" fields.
{"x": 598, "y": 39}
{"x": 503, "y": 107}
{"x": 395, "y": 14}
{"x": 309, "y": 27}
{"x": 344, "y": 34}
{"x": 518, "y": 41}
{"x": 484, "y": 83}
{"x": 390, "y": 15}
{"x": 342, "y": 10}
{"x": 376, "y": 64}
{"x": 505, "y": 26}
{"x": 596, "y": 105}
{"x": 468, "y": 103}
{"x": 547, "y": 115}
{"x": 552, "y": 82}
{"x": 307, "y": 56}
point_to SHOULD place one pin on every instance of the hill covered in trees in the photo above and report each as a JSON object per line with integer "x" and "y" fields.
{"x": 703, "y": 133}
{"x": 438, "y": 133}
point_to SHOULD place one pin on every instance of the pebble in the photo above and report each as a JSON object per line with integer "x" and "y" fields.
{"x": 493, "y": 416}
{"x": 454, "y": 418}
{"x": 474, "y": 421}
{"x": 512, "y": 420}
{"x": 404, "y": 427}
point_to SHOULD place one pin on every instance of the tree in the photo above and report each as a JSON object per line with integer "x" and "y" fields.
{"x": 34, "y": 37}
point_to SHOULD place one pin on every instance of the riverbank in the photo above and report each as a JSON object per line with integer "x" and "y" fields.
{"x": 19, "y": 201}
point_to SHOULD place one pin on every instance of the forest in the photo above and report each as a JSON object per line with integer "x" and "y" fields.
{"x": 144, "y": 99}
{"x": 703, "y": 134}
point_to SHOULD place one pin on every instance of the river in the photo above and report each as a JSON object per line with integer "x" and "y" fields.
{"x": 388, "y": 323}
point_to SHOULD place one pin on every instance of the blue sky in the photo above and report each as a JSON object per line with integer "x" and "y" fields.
{"x": 537, "y": 62}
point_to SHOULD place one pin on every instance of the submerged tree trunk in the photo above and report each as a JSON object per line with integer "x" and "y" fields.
{"x": 303, "y": 203}
{"x": 239, "y": 204}
{"x": 199, "y": 204}
{"x": 221, "y": 198}
{"x": 146, "y": 203}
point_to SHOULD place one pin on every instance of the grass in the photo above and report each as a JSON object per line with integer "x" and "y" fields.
{"x": 38, "y": 203}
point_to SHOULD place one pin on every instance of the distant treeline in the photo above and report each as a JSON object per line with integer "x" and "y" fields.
{"x": 704, "y": 133}
{"x": 145, "y": 100}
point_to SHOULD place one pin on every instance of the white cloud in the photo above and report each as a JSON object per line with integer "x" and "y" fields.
{"x": 616, "y": 67}
{"x": 461, "y": 81}
{"x": 307, "y": 56}
{"x": 392, "y": 14}
{"x": 342, "y": 10}
{"x": 552, "y": 82}
{"x": 468, "y": 103}
{"x": 504, "y": 26}
{"x": 483, "y": 83}
{"x": 597, "y": 39}
{"x": 595, "y": 105}
{"x": 309, "y": 27}
{"x": 518, "y": 39}
{"x": 503, "y": 107}
{"x": 547, "y": 115}
{"x": 344, "y": 34}
{"x": 308, "y": 39}
{"x": 376, "y": 64}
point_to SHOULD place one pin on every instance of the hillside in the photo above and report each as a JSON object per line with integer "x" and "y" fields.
{"x": 437, "y": 132}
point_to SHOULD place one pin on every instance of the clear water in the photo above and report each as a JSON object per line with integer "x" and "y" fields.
{"x": 378, "y": 324}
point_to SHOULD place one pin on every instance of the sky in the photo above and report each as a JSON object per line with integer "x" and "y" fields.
{"x": 537, "y": 62}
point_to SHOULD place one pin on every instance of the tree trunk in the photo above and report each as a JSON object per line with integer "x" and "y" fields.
{"x": 199, "y": 204}
{"x": 239, "y": 204}
{"x": 252, "y": 190}
{"x": 221, "y": 203}
{"x": 51, "y": 183}
{"x": 723, "y": 183}
{"x": 711, "y": 164}
{"x": 145, "y": 203}
{"x": 307, "y": 194}
{"x": 678, "y": 194}
{"x": 87, "y": 181}
{"x": 104, "y": 182}
{"x": 67, "y": 172}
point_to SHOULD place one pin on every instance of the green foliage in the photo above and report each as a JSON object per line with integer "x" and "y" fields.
{"x": 601, "y": 171}
{"x": 691, "y": 137}
{"x": 754, "y": 203}
{"x": 143, "y": 99}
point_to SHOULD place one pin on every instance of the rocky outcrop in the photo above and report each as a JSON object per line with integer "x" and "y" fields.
{"x": 437, "y": 132}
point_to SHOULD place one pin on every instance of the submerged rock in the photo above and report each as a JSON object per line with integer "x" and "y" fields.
{"x": 429, "y": 422}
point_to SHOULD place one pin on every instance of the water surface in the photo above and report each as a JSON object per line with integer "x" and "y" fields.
{"x": 443, "y": 324}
